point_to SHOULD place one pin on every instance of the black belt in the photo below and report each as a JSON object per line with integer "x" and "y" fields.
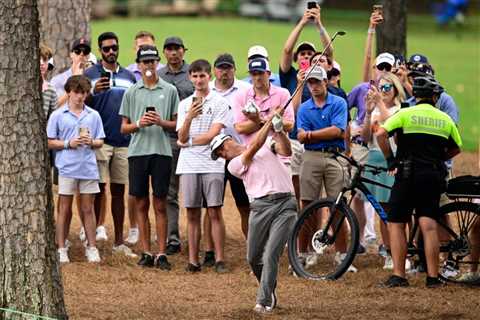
{"x": 327, "y": 149}
{"x": 275, "y": 196}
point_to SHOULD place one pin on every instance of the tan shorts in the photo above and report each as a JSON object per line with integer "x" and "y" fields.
{"x": 112, "y": 164}
{"x": 320, "y": 171}
{"x": 297, "y": 156}
{"x": 70, "y": 186}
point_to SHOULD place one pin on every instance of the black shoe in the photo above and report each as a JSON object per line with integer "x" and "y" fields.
{"x": 173, "y": 248}
{"x": 193, "y": 268}
{"x": 209, "y": 260}
{"x": 394, "y": 281}
{"x": 220, "y": 267}
{"x": 146, "y": 260}
{"x": 434, "y": 283}
{"x": 361, "y": 249}
{"x": 162, "y": 263}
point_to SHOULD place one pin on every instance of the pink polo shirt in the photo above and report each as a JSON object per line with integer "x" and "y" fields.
{"x": 266, "y": 174}
{"x": 276, "y": 97}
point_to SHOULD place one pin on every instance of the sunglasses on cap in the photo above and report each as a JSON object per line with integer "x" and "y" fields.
{"x": 384, "y": 66}
{"x": 107, "y": 49}
{"x": 387, "y": 87}
{"x": 78, "y": 51}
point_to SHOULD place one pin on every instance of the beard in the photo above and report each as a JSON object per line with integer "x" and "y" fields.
{"x": 111, "y": 58}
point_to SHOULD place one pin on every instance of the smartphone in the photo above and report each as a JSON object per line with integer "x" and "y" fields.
{"x": 372, "y": 83}
{"x": 83, "y": 131}
{"x": 379, "y": 9}
{"x": 312, "y": 5}
{"x": 105, "y": 74}
{"x": 150, "y": 108}
{"x": 304, "y": 65}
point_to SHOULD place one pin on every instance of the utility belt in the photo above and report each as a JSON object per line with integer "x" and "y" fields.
{"x": 409, "y": 167}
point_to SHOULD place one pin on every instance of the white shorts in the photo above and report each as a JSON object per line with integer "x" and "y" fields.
{"x": 69, "y": 186}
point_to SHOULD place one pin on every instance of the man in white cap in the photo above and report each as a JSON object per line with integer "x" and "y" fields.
{"x": 273, "y": 207}
{"x": 261, "y": 52}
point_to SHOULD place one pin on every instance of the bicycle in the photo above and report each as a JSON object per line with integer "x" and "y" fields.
{"x": 323, "y": 219}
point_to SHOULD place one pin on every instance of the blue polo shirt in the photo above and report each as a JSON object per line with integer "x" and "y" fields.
{"x": 310, "y": 117}
{"x": 108, "y": 102}
{"x": 77, "y": 163}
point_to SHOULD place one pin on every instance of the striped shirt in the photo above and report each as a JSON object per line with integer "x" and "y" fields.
{"x": 197, "y": 159}
{"x": 49, "y": 97}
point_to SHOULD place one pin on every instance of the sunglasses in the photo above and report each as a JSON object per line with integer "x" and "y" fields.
{"x": 384, "y": 66}
{"x": 107, "y": 49}
{"x": 148, "y": 61}
{"x": 78, "y": 51}
{"x": 387, "y": 87}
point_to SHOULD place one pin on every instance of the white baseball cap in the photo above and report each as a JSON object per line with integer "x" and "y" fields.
{"x": 217, "y": 142}
{"x": 385, "y": 57}
{"x": 336, "y": 66}
{"x": 257, "y": 51}
{"x": 317, "y": 73}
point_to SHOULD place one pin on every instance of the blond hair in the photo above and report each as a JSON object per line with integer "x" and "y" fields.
{"x": 400, "y": 95}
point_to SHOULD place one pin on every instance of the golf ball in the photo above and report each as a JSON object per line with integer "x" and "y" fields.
{"x": 148, "y": 73}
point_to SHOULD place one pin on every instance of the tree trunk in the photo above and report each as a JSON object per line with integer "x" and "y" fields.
{"x": 392, "y": 33}
{"x": 30, "y": 279}
{"x": 61, "y": 22}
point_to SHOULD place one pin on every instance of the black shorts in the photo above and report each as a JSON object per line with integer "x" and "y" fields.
{"x": 140, "y": 168}
{"x": 237, "y": 187}
{"x": 420, "y": 193}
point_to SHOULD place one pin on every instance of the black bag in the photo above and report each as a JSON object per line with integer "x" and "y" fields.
{"x": 464, "y": 187}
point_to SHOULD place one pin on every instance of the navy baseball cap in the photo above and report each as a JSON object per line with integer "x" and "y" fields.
{"x": 258, "y": 64}
{"x": 147, "y": 52}
{"x": 418, "y": 58}
{"x": 82, "y": 42}
{"x": 173, "y": 41}
{"x": 225, "y": 59}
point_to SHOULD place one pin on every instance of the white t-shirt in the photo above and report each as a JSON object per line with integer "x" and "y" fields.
{"x": 373, "y": 144}
{"x": 238, "y": 86}
{"x": 197, "y": 159}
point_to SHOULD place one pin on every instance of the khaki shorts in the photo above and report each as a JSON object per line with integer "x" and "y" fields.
{"x": 320, "y": 171}
{"x": 112, "y": 164}
{"x": 297, "y": 156}
{"x": 70, "y": 186}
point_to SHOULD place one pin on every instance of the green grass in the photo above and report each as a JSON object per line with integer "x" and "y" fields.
{"x": 454, "y": 55}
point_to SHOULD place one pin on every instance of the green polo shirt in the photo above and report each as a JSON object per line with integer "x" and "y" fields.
{"x": 153, "y": 139}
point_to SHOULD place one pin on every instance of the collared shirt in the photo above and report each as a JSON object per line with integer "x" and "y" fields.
{"x": 311, "y": 117}
{"x": 59, "y": 81}
{"x": 445, "y": 103}
{"x": 108, "y": 102}
{"x": 274, "y": 79}
{"x": 276, "y": 97}
{"x": 179, "y": 79}
{"x": 133, "y": 68}
{"x": 79, "y": 163}
{"x": 153, "y": 139}
{"x": 229, "y": 95}
{"x": 197, "y": 159}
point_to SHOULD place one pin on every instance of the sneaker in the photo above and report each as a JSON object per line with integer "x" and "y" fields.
{"x": 434, "y": 283}
{"x": 209, "y": 260}
{"x": 361, "y": 249}
{"x": 449, "y": 270}
{"x": 388, "y": 265}
{"x": 394, "y": 281}
{"x": 261, "y": 309}
{"x": 132, "y": 236}
{"x": 173, "y": 248}
{"x": 92, "y": 254}
{"x": 68, "y": 244}
{"x": 82, "y": 235}
{"x": 101, "y": 234}
{"x": 382, "y": 251}
{"x": 192, "y": 268}
{"x": 162, "y": 263}
{"x": 220, "y": 267}
{"x": 339, "y": 258}
{"x": 63, "y": 255}
{"x": 408, "y": 265}
{"x": 146, "y": 260}
{"x": 123, "y": 249}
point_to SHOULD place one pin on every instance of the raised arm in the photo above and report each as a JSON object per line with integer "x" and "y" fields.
{"x": 375, "y": 19}
{"x": 287, "y": 52}
{"x": 257, "y": 143}
{"x": 324, "y": 36}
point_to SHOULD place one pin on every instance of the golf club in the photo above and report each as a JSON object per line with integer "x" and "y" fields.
{"x": 338, "y": 33}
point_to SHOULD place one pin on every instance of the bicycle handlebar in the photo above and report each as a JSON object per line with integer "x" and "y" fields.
{"x": 354, "y": 163}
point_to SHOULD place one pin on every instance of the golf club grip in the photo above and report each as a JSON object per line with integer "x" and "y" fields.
{"x": 308, "y": 73}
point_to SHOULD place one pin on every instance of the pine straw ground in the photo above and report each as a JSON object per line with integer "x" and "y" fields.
{"x": 118, "y": 289}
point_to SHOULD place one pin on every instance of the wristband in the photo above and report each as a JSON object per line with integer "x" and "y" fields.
{"x": 66, "y": 144}
{"x": 137, "y": 124}
{"x": 371, "y": 30}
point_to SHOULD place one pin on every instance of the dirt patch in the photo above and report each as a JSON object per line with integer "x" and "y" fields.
{"x": 118, "y": 289}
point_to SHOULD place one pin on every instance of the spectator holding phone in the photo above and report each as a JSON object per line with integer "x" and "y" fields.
{"x": 74, "y": 131}
{"x": 201, "y": 117}
{"x": 110, "y": 81}
{"x": 149, "y": 151}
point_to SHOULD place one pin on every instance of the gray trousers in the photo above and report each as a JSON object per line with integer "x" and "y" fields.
{"x": 172, "y": 196}
{"x": 271, "y": 221}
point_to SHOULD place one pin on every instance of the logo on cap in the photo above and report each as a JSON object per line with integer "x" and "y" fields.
{"x": 417, "y": 58}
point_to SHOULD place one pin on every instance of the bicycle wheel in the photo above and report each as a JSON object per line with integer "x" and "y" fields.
{"x": 323, "y": 243}
{"x": 459, "y": 235}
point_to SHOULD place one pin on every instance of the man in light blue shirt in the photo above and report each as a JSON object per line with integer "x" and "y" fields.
{"x": 74, "y": 130}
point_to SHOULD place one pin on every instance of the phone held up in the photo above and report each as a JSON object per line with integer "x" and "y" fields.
{"x": 378, "y": 8}
{"x": 304, "y": 65}
{"x": 312, "y": 5}
{"x": 150, "y": 108}
{"x": 197, "y": 99}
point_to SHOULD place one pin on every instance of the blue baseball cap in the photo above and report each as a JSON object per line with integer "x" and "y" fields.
{"x": 418, "y": 58}
{"x": 258, "y": 64}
